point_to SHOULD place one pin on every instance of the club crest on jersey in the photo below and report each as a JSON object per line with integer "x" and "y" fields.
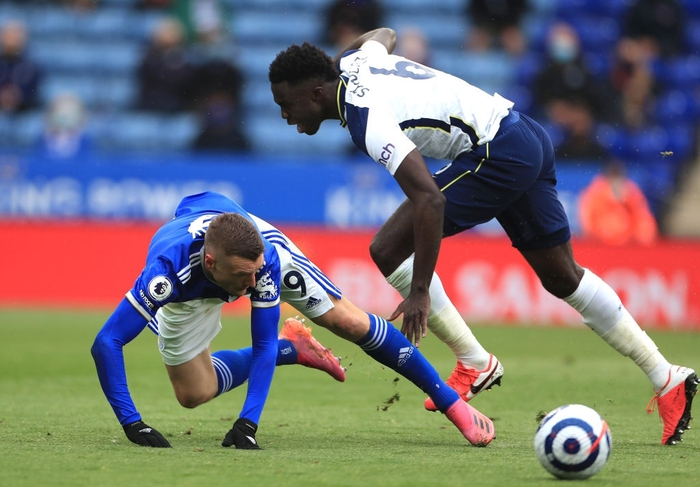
{"x": 199, "y": 226}
{"x": 266, "y": 287}
{"x": 160, "y": 288}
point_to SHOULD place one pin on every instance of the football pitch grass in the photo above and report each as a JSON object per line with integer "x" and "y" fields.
{"x": 56, "y": 427}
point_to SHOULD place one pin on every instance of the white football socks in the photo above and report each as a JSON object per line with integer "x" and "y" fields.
{"x": 603, "y": 312}
{"x": 443, "y": 318}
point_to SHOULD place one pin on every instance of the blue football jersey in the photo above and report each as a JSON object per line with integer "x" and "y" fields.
{"x": 173, "y": 272}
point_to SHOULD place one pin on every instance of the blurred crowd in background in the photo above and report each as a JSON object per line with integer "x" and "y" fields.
{"x": 613, "y": 81}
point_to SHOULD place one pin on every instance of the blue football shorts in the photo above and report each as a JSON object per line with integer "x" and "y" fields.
{"x": 513, "y": 179}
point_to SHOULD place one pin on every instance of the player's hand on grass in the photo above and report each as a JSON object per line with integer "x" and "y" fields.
{"x": 142, "y": 434}
{"x": 242, "y": 435}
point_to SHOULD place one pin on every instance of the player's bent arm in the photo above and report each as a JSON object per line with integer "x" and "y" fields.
{"x": 428, "y": 204}
{"x": 121, "y": 327}
{"x": 384, "y": 35}
{"x": 263, "y": 325}
{"x": 428, "y": 207}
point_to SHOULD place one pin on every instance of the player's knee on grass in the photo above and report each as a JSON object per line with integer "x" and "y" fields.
{"x": 192, "y": 399}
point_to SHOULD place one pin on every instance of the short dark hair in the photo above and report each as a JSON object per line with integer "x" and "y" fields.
{"x": 302, "y": 63}
{"x": 236, "y": 235}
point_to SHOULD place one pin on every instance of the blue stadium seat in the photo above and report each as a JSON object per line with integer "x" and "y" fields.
{"x": 441, "y": 30}
{"x": 520, "y": 95}
{"x": 287, "y": 27}
{"x": 6, "y": 130}
{"x": 535, "y": 28}
{"x": 489, "y": 71}
{"x": 136, "y": 131}
{"x": 27, "y": 128}
{"x": 84, "y": 87}
{"x": 423, "y": 8}
{"x": 106, "y": 23}
{"x": 692, "y": 8}
{"x": 95, "y": 90}
{"x": 596, "y": 33}
{"x": 571, "y": 9}
{"x": 692, "y": 36}
{"x": 75, "y": 56}
{"x": 53, "y": 22}
{"x": 527, "y": 67}
{"x": 272, "y": 6}
{"x": 678, "y": 106}
{"x": 255, "y": 61}
{"x": 680, "y": 73}
{"x": 257, "y": 99}
{"x": 272, "y": 135}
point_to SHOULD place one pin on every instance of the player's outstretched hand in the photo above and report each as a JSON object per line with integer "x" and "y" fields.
{"x": 142, "y": 434}
{"x": 242, "y": 435}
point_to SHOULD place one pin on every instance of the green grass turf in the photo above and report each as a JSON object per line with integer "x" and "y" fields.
{"x": 56, "y": 428}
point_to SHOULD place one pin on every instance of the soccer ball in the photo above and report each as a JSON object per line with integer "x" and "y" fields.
{"x": 573, "y": 442}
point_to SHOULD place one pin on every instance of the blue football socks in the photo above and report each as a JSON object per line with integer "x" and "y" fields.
{"x": 233, "y": 366}
{"x": 388, "y": 346}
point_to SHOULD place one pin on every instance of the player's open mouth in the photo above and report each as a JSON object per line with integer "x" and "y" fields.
{"x": 300, "y": 128}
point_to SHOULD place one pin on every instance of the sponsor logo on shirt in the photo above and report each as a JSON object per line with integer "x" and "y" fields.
{"x": 160, "y": 288}
{"x": 387, "y": 152}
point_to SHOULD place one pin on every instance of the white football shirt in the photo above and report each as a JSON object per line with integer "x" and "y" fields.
{"x": 391, "y": 105}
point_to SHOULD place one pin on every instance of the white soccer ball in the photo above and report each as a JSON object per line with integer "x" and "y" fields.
{"x": 573, "y": 442}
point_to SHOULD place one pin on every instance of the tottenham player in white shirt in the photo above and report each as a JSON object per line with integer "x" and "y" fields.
{"x": 501, "y": 165}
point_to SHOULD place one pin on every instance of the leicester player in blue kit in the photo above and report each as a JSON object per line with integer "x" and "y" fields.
{"x": 501, "y": 166}
{"x": 213, "y": 252}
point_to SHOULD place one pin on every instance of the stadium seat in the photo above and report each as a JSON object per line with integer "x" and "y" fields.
{"x": 692, "y": 36}
{"x": 678, "y": 106}
{"x": 520, "y": 95}
{"x": 272, "y": 135}
{"x": 527, "y": 67}
{"x": 491, "y": 72}
{"x": 257, "y": 99}
{"x": 289, "y": 26}
{"x": 271, "y": 6}
{"x": 255, "y": 61}
{"x": 422, "y": 8}
{"x": 441, "y": 30}
{"x": 75, "y": 56}
{"x": 27, "y": 128}
{"x": 597, "y": 34}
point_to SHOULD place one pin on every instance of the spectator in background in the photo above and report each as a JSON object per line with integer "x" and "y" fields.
{"x": 633, "y": 79}
{"x": 414, "y": 45}
{"x": 652, "y": 30}
{"x": 216, "y": 90}
{"x": 657, "y": 25}
{"x": 206, "y": 29}
{"x": 19, "y": 76}
{"x": 569, "y": 96}
{"x": 165, "y": 72}
{"x": 348, "y": 19}
{"x": 65, "y": 135}
{"x": 613, "y": 209}
{"x": 496, "y": 23}
{"x": 153, "y": 4}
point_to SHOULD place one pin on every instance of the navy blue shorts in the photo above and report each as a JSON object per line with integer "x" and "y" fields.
{"x": 513, "y": 179}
